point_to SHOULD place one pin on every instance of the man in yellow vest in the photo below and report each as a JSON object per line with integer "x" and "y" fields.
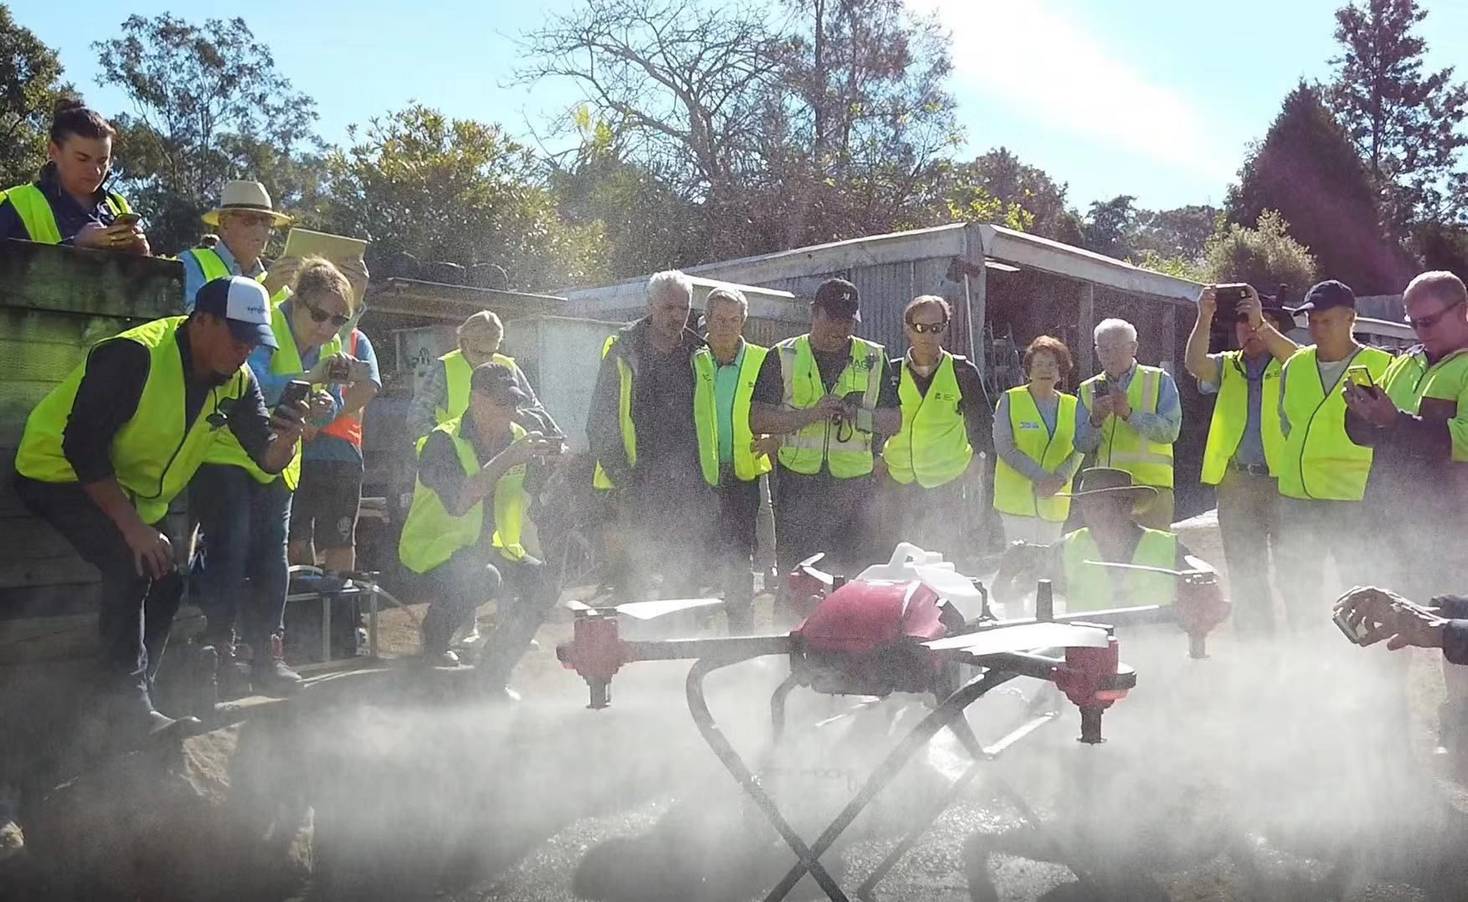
{"x": 642, "y": 433}
{"x": 244, "y": 221}
{"x": 1130, "y": 415}
{"x": 109, "y": 449}
{"x": 1322, "y": 472}
{"x": 947, "y": 433}
{"x": 1106, "y": 498}
{"x": 831, "y": 398}
{"x": 1244, "y": 441}
{"x": 444, "y": 395}
{"x": 463, "y": 529}
{"x": 733, "y": 459}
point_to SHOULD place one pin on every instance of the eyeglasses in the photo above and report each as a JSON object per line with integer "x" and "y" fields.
{"x": 322, "y": 316}
{"x": 1427, "y": 322}
{"x": 928, "y": 328}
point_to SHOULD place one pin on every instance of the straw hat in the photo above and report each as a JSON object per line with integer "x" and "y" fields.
{"x": 246, "y": 196}
{"x": 1096, "y": 481}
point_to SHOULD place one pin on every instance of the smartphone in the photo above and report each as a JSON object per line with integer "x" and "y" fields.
{"x": 1356, "y": 634}
{"x": 1229, "y": 299}
{"x": 127, "y": 219}
{"x": 550, "y": 445}
{"x": 1103, "y": 387}
{"x": 295, "y": 392}
{"x": 1360, "y": 375}
{"x": 339, "y": 370}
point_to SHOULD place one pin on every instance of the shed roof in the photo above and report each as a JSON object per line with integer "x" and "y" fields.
{"x": 453, "y": 303}
{"x": 765, "y": 303}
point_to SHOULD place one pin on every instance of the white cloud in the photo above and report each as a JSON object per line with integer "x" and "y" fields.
{"x": 1050, "y": 69}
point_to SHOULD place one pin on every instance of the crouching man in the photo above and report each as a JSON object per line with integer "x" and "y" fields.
{"x": 472, "y": 469}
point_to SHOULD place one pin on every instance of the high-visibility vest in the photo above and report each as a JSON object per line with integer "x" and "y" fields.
{"x": 285, "y": 360}
{"x": 1123, "y": 447}
{"x": 1092, "y": 588}
{"x": 599, "y": 478}
{"x": 1410, "y": 378}
{"x": 348, "y": 426}
{"x": 1320, "y": 461}
{"x": 822, "y": 442}
{"x": 456, "y": 375}
{"x": 1231, "y": 416}
{"x": 932, "y": 446}
{"x": 431, "y": 534}
{"x": 212, "y": 265}
{"x": 39, "y": 219}
{"x": 1014, "y": 493}
{"x": 747, "y": 465}
{"x": 156, "y": 453}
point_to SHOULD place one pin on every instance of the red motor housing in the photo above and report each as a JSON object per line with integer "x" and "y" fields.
{"x": 865, "y": 639}
{"x": 595, "y": 652}
{"x": 1200, "y": 608}
{"x": 1084, "y": 677}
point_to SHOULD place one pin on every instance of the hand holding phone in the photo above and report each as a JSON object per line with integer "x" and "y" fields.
{"x": 1360, "y": 376}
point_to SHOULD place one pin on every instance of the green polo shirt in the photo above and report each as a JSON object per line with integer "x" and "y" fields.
{"x": 726, "y": 383}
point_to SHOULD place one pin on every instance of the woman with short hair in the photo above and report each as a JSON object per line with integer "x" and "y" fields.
{"x": 1034, "y": 438}
{"x": 67, "y": 204}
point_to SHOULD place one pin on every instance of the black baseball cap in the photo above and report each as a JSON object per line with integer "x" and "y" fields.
{"x": 1327, "y": 295}
{"x": 838, "y": 298}
{"x": 498, "y": 382}
{"x": 244, "y": 306}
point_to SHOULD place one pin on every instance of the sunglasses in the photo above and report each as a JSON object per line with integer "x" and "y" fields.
{"x": 928, "y": 328}
{"x": 322, "y": 316}
{"x": 1427, "y": 322}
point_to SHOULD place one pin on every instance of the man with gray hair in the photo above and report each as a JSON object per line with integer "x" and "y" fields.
{"x": 641, "y": 431}
{"x": 1128, "y": 418}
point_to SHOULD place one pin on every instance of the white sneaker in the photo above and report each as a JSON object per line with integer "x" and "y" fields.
{"x": 467, "y": 638}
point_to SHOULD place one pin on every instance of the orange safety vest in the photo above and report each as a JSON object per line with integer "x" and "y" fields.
{"x": 347, "y": 426}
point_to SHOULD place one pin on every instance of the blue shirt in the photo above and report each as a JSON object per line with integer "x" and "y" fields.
{"x": 1251, "y": 447}
{"x": 194, "y": 276}
{"x": 726, "y": 383}
{"x": 331, "y": 447}
{"x": 272, "y": 384}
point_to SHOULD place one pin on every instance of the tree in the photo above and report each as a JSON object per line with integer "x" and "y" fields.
{"x": 1405, "y": 121}
{"x": 1110, "y": 226}
{"x": 1265, "y": 257}
{"x": 30, "y": 85}
{"x": 1028, "y": 198}
{"x": 209, "y": 106}
{"x": 1308, "y": 171}
{"x": 1442, "y": 246}
{"x": 459, "y": 191}
{"x": 1179, "y": 233}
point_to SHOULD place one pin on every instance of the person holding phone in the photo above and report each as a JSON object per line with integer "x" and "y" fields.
{"x": 244, "y": 511}
{"x": 106, "y": 453}
{"x": 1245, "y": 443}
{"x": 67, "y": 203}
{"x": 464, "y": 528}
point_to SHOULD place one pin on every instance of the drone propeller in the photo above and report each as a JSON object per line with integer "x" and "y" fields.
{"x": 648, "y": 610}
{"x": 1024, "y": 637}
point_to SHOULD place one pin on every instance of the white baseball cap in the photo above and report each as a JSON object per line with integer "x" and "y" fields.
{"x": 243, "y": 304}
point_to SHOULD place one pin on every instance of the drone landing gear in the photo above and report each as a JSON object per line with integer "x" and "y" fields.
{"x": 947, "y": 714}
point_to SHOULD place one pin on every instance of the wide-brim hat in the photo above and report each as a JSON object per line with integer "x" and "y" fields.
{"x": 246, "y": 197}
{"x": 1106, "y": 481}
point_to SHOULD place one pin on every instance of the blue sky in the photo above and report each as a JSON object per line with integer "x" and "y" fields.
{"x": 1148, "y": 97}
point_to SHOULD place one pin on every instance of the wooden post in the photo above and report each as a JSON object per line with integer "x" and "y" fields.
{"x": 1165, "y": 357}
{"x": 975, "y": 295}
{"x": 1086, "y": 322}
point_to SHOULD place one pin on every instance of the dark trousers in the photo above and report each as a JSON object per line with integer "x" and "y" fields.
{"x": 246, "y": 573}
{"x": 732, "y": 549}
{"x": 823, "y": 514}
{"x": 941, "y": 518}
{"x": 1309, "y": 532}
{"x": 1249, "y": 524}
{"x": 135, "y": 611}
{"x": 665, "y": 520}
{"x": 523, "y": 592}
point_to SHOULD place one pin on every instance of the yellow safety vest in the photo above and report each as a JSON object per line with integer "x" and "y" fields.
{"x": 431, "y": 534}
{"x": 1123, "y": 447}
{"x": 285, "y": 361}
{"x": 156, "y": 453}
{"x": 932, "y": 445}
{"x": 821, "y": 441}
{"x": 213, "y": 267}
{"x": 39, "y": 219}
{"x": 747, "y": 465}
{"x": 1014, "y": 493}
{"x": 600, "y": 479}
{"x": 1092, "y": 588}
{"x": 1231, "y": 416}
{"x": 1320, "y": 461}
{"x": 1410, "y": 378}
{"x": 456, "y": 374}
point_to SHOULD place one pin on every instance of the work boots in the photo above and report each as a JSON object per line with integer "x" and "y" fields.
{"x": 269, "y": 674}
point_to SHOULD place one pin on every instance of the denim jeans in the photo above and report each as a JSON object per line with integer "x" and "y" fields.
{"x": 243, "y": 585}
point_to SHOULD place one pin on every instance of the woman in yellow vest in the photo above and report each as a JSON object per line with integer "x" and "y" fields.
{"x": 67, "y": 204}
{"x": 1034, "y": 439}
{"x": 244, "y": 511}
{"x": 470, "y": 470}
{"x": 947, "y": 429}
